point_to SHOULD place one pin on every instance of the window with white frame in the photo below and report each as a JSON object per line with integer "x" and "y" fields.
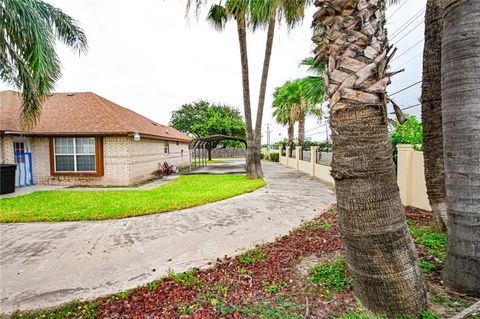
{"x": 74, "y": 154}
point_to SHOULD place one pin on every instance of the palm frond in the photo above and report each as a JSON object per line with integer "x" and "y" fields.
{"x": 217, "y": 16}
{"x": 28, "y": 59}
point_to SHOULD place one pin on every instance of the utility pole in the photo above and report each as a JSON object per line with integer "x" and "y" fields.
{"x": 268, "y": 137}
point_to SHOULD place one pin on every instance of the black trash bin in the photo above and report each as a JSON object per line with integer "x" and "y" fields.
{"x": 7, "y": 178}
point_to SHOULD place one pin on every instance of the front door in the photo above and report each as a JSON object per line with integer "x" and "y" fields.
{"x": 23, "y": 159}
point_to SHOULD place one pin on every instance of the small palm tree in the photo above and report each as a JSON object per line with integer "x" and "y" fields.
{"x": 28, "y": 61}
{"x": 283, "y": 111}
{"x": 292, "y": 97}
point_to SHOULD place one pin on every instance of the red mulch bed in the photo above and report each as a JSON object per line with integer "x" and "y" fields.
{"x": 232, "y": 285}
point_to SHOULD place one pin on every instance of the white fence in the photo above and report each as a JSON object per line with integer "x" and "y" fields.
{"x": 410, "y": 173}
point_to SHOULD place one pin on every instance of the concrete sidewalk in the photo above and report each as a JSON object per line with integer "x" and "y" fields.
{"x": 46, "y": 264}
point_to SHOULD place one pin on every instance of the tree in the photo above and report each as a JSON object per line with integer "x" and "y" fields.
{"x": 292, "y": 104}
{"x": 352, "y": 41}
{"x": 266, "y": 12}
{"x": 255, "y": 14}
{"x": 28, "y": 59}
{"x": 202, "y": 118}
{"x": 432, "y": 113}
{"x": 461, "y": 134}
{"x": 283, "y": 112}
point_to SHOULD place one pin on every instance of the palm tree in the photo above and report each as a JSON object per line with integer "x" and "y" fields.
{"x": 461, "y": 134}
{"x": 292, "y": 97}
{"x": 432, "y": 113}
{"x": 28, "y": 59}
{"x": 352, "y": 41}
{"x": 267, "y": 12}
{"x": 314, "y": 84}
{"x": 255, "y": 14}
{"x": 283, "y": 113}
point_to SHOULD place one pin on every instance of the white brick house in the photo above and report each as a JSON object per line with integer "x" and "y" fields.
{"x": 84, "y": 139}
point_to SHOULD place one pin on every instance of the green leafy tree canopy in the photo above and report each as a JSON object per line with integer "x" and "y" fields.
{"x": 202, "y": 118}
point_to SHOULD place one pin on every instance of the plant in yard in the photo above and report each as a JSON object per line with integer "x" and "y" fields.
{"x": 432, "y": 113}
{"x": 352, "y": 41}
{"x": 28, "y": 60}
{"x": 332, "y": 276}
{"x": 188, "y": 278}
{"x": 202, "y": 118}
{"x": 461, "y": 140}
{"x": 252, "y": 256}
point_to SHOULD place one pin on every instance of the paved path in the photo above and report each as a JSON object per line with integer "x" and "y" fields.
{"x": 44, "y": 264}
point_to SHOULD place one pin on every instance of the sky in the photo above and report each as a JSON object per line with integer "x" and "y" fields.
{"x": 147, "y": 56}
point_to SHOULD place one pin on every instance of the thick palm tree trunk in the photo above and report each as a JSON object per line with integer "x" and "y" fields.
{"x": 261, "y": 97}
{"x": 242, "y": 39}
{"x": 461, "y": 133}
{"x": 301, "y": 126}
{"x": 432, "y": 113}
{"x": 291, "y": 133}
{"x": 380, "y": 253}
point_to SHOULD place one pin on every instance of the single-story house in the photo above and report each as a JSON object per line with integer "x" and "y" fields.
{"x": 85, "y": 139}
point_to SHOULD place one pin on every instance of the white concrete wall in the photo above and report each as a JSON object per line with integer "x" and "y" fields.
{"x": 322, "y": 172}
{"x": 410, "y": 174}
{"x": 411, "y": 177}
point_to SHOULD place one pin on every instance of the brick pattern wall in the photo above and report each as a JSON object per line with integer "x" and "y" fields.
{"x": 6, "y": 149}
{"x": 146, "y": 155}
{"x": 126, "y": 162}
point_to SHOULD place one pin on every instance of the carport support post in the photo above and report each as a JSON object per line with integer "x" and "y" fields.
{"x": 313, "y": 158}
{"x": 287, "y": 153}
{"x": 298, "y": 149}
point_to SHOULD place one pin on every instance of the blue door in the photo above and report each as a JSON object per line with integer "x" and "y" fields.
{"x": 24, "y": 174}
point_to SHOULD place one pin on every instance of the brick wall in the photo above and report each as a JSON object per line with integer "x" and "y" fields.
{"x": 6, "y": 149}
{"x": 146, "y": 155}
{"x": 126, "y": 162}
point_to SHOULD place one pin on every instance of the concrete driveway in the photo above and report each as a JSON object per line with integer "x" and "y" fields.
{"x": 46, "y": 264}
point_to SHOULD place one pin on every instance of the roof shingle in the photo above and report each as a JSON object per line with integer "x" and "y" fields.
{"x": 82, "y": 113}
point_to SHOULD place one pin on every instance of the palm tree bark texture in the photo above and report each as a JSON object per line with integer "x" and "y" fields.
{"x": 461, "y": 133}
{"x": 242, "y": 39}
{"x": 261, "y": 97}
{"x": 351, "y": 39}
{"x": 432, "y": 113}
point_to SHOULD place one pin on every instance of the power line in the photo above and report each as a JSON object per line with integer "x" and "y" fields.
{"x": 405, "y": 88}
{"x": 398, "y": 9}
{"x": 408, "y": 107}
{"x": 410, "y": 48}
{"x": 408, "y": 22}
{"x": 410, "y": 60}
{"x": 419, "y": 24}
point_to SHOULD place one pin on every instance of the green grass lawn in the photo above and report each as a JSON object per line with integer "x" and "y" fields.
{"x": 214, "y": 161}
{"x": 183, "y": 192}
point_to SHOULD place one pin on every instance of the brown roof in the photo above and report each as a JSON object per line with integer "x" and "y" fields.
{"x": 82, "y": 113}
